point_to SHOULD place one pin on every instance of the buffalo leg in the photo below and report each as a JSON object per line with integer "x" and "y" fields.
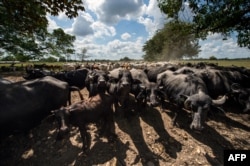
{"x": 85, "y": 138}
{"x": 110, "y": 127}
{"x": 175, "y": 117}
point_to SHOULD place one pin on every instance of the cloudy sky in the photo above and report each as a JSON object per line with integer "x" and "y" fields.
{"x": 112, "y": 29}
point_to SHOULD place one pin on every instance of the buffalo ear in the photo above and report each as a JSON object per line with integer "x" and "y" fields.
{"x": 162, "y": 93}
{"x": 161, "y": 87}
{"x": 187, "y": 103}
{"x": 183, "y": 97}
{"x": 53, "y": 112}
{"x": 145, "y": 71}
{"x": 142, "y": 86}
{"x": 136, "y": 81}
{"x": 141, "y": 95}
{"x": 236, "y": 87}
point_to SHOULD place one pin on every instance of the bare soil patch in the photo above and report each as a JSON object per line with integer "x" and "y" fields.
{"x": 147, "y": 138}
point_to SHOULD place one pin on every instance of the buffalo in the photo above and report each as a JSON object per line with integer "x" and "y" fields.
{"x": 242, "y": 96}
{"x": 145, "y": 90}
{"x": 119, "y": 85}
{"x": 152, "y": 72}
{"x": 189, "y": 91}
{"x": 73, "y": 78}
{"x": 96, "y": 82}
{"x": 24, "y": 104}
{"x": 96, "y": 109}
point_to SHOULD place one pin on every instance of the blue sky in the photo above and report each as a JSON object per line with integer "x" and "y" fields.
{"x": 112, "y": 29}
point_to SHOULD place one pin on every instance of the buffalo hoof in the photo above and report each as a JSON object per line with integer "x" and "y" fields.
{"x": 85, "y": 150}
{"x": 112, "y": 138}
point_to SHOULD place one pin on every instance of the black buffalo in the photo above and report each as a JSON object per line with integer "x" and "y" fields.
{"x": 36, "y": 73}
{"x": 218, "y": 80}
{"x": 73, "y": 78}
{"x": 25, "y": 104}
{"x": 96, "y": 109}
{"x": 119, "y": 85}
{"x": 242, "y": 96}
{"x": 190, "y": 90}
{"x": 152, "y": 72}
{"x": 144, "y": 90}
{"x": 96, "y": 82}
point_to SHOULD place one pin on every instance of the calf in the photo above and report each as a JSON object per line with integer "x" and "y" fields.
{"x": 95, "y": 109}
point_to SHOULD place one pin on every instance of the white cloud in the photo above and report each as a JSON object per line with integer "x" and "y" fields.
{"x": 85, "y": 25}
{"x": 130, "y": 49}
{"x": 216, "y": 46}
{"x": 112, "y": 11}
{"x": 52, "y": 24}
{"x": 62, "y": 16}
{"x": 115, "y": 49}
{"x": 81, "y": 25}
{"x": 102, "y": 30}
{"x": 149, "y": 25}
{"x": 153, "y": 19}
{"x": 125, "y": 36}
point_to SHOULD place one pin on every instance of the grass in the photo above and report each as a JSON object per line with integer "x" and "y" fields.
{"x": 229, "y": 62}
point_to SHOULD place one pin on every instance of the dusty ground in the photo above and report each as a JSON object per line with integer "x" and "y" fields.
{"x": 146, "y": 139}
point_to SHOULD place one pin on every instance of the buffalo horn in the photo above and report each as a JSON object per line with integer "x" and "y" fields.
{"x": 220, "y": 101}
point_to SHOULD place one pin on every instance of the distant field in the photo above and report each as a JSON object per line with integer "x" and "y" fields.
{"x": 235, "y": 62}
{"x": 240, "y": 63}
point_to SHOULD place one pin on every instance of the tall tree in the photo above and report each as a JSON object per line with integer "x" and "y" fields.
{"x": 221, "y": 16}
{"x": 174, "y": 41}
{"x": 23, "y": 24}
{"x": 83, "y": 54}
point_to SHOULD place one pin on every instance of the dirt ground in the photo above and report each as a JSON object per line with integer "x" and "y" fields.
{"x": 147, "y": 139}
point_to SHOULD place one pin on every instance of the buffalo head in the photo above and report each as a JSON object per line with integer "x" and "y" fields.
{"x": 152, "y": 94}
{"x": 200, "y": 104}
{"x": 125, "y": 78}
{"x": 96, "y": 81}
{"x": 242, "y": 95}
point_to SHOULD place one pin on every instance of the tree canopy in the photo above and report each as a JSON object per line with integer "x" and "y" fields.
{"x": 216, "y": 16}
{"x": 23, "y": 24}
{"x": 174, "y": 41}
{"x": 61, "y": 43}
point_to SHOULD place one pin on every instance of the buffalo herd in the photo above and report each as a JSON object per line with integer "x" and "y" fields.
{"x": 201, "y": 88}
